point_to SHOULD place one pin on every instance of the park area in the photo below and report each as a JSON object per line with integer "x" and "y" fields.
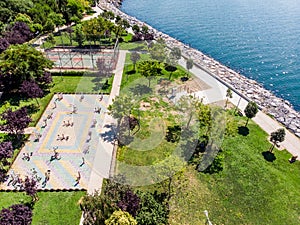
{"x": 150, "y": 142}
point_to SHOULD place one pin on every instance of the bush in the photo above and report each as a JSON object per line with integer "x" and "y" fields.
{"x": 217, "y": 165}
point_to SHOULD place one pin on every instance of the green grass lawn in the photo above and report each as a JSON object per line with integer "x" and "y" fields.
{"x": 130, "y": 77}
{"x": 51, "y": 208}
{"x": 250, "y": 189}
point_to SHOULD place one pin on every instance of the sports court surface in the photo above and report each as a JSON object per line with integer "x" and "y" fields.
{"x": 64, "y": 144}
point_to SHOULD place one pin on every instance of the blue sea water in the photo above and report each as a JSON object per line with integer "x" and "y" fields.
{"x": 259, "y": 39}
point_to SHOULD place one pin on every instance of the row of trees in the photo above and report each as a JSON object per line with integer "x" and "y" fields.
{"x": 42, "y": 15}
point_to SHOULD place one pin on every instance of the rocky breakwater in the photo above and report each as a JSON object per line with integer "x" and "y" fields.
{"x": 278, "y": 108}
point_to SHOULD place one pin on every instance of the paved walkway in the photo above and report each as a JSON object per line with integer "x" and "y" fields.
{"x": 218, "y": 93}
{"x": 109, "y": 122}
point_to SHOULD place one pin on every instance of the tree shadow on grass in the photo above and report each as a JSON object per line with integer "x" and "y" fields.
{"x": 242, "y": 130}
{"x": 269, "y": 156}
{"x": 141, "y": 89}
{"x": 130, "y": 72}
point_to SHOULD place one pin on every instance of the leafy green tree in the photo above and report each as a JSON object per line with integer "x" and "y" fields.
{"x": 96, "y": 209}
{"x": 79, "y": 35}
{"x": 120, "y": 218}
{"x": 134, "y": 57}
{"x": 158, "y": 50}
{"x": 120, "y": 109}
{"x": 136, "y": 28}
{"x": 21, "y": 63}
{"x": 176, "y": 53}
{"x": 189, "y": 65}
{"x": 169, "y": 172}
{"x": 149, "y": 69}
{"x": 228, "y": 95}
{"x": 172, "y": 60}
{"x": 145, "y": 29}
{"x": 152, "y": 211}
{"x": 250, "y": 111}
{"x": 277, "y": 136}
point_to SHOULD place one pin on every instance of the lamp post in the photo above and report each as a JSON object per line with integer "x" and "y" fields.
{"x": 207, "y": 218}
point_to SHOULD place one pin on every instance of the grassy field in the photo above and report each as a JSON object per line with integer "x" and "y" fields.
{"x": 249, "y": 190}
{"x": 253, "y": 187}
{"x": 51, "y": 208}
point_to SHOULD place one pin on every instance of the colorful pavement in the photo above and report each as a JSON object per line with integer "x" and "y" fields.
{"x": 75, "y": 155}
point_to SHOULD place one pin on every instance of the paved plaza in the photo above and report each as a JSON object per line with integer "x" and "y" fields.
{"x": 64, "y": 143}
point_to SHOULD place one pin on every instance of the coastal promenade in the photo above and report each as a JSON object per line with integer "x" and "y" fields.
{"x": 217, "y": 92}
{"x": 220, "y": 78}
{"x": 278, "y": 108}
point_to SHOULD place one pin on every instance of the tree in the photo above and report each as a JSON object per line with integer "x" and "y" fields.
{"x": 31, "y": 90}
{"x": 16, "y": 214}
{"x": 135, "y": 28}
{"x": 96, "y": 209}
{"x": 152, "y": 211}
{"x": 30, "y": 187}
{"x": 158, "y": 50}
{"x": 250, "y": 111}
{"x": 22, "y": 62}
{"x": 134, "y": 57}
{"x": 19, "y": 33}
{"x": 145, "y": 29}
{"x": 129, "y": 202}
{"x": 79, "y": 35}
{"x": 6, "y": 151}
{"x": 169, "y": 173}
{"x": 44, "y": 81}
{"x": 277, "y": 136}
{"x": 149, "y": 69}
{"x": 118, "y": 31}
{"x": 176, "y": 53}
{"x": 4, "y": 44}
{"x": 15, "y": 121}
{"x": 228, "y": 95}
{"x": 120, "y": 218}
{"x": 189, "y": 65}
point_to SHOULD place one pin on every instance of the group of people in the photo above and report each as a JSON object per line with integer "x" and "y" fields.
{"x": 68, "y": 124}
{"x": 62, "y": 137}
{"x": 27, "y": 156}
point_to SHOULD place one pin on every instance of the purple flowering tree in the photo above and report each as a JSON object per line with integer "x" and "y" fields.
{"x": 130, "y": 203}
{"x": 19, "y": 33}
{"x": 16, "y": 214}
{"x": 32, "y": 90}
{"x": 4, "y": 44}
{"x": 30, "y": 187}
{"x": 44, "y": 81}
{"x": 15, "y": 121}
{"x": 6, "y": 152}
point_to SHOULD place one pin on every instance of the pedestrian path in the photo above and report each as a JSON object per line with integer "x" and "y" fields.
{"x": 108, "y": 154}
{"x": 217, "y": 92}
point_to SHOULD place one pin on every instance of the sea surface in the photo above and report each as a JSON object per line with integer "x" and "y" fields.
{"x": 258, "y": 38}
